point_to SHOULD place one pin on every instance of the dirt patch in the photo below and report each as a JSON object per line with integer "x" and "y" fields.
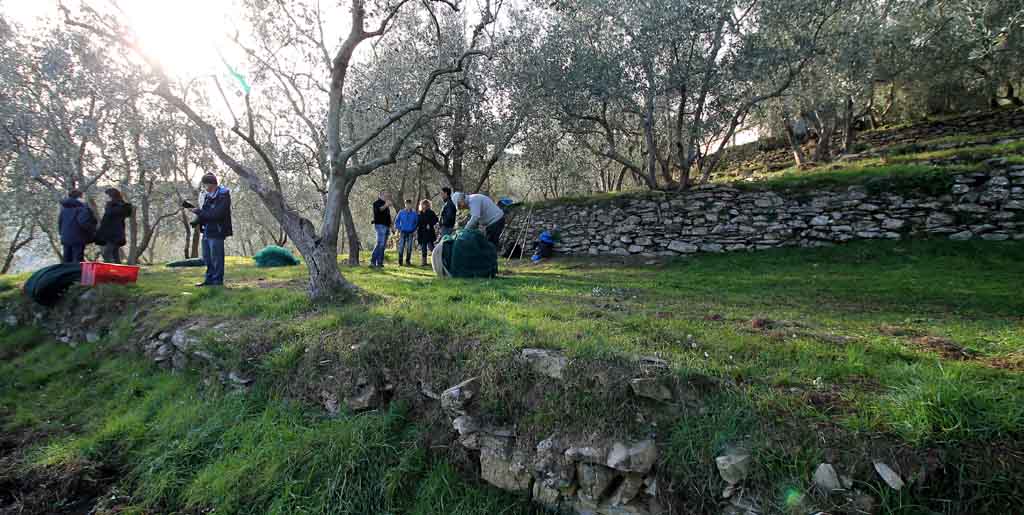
{"x": 946, "y": 348}
{"x": 61, "y": 490}
{"x": 1013, "y": 362}
{"x": 892, "y": 330}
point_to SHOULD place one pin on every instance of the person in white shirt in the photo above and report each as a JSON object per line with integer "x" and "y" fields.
{"x": 482, "y": 211}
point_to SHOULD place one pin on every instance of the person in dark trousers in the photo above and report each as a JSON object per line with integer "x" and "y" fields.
{"x": 426, "y": 234}
{"x": 406, "y": 223}
{"x": 77, "y": 225}
{"x": 111, "y": 234}
{"x": 447, "y": 221}
{"x": 482, "y": 211}
{"x": 214, "y": 219}
{"x": 382, "y": 226}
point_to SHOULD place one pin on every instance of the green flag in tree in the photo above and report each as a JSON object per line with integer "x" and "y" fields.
{"x": 242, "y": 83}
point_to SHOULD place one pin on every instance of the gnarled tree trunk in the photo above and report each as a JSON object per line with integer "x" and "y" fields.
{"x": 794, "y": 143}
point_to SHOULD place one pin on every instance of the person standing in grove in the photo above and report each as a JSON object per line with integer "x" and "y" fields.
{"x": 426, "y": 233}
{"x": 214, "y": 219}
{"x": 482, "y": 211}
{"x": 447, "y": 221}
{"x": 111, "y": 234}
{"x": 406, "y": 223}
{"x": 77, "y": 225}
{"x": 382, "y": 226}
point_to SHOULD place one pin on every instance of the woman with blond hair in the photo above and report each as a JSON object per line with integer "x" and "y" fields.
{"x": 426, "y": 232}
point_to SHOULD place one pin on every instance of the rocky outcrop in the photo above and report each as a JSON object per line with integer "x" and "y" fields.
{"x": 711, "y": 219}
{"x": 598, "y": 477}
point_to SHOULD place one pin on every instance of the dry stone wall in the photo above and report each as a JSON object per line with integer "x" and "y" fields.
{"x": 985, "y": 205}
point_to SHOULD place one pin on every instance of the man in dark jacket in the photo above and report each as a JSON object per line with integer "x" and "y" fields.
{"x": 77, "y": 227}
{"x": 382, "y": 227}
{"x": 447, "y": 222}
{"x": 214, "y": 219}
{"x": 111, "y": 234}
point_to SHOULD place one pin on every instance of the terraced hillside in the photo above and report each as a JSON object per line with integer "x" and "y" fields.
{"x": 726, "y": 381}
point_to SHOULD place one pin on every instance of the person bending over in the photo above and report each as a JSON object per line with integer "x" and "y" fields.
{"x": 482, "y": 212}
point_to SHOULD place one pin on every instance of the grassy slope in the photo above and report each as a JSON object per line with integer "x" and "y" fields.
{"x": 175, "y": 446}
{"x": 841, "y": 373}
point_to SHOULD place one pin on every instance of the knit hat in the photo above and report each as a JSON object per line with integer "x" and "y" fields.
{"x": 209, "y": 179}
{"x": 457, "y": 197}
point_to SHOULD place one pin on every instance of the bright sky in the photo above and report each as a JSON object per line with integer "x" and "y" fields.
{"x": 182, "y": 34}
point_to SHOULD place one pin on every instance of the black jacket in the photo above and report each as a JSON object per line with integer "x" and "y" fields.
{"x": 215, "y": 215}
{"x": 425, "y": 231}
{"x": 77, "y": 223}
{"x": 381, "y": 213}
{"x": 111, "y": 229}
{"x": 448, "y": 214}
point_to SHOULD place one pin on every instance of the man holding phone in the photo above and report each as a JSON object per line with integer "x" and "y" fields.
{"x": 214, "y": 220}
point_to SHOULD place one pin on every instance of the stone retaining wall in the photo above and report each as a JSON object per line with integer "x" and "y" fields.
{"x": 984, "y": 205}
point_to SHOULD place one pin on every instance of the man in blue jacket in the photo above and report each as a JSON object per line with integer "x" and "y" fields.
{"x": 214, "y": 219}
{"x": 406, "y": 223}
{"x": 77, "y": 227}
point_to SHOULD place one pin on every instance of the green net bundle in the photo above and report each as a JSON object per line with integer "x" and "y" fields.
{"x": 469, "y": 254}
{"x": 48, "y": 284}
{"x": 273, "y": 256}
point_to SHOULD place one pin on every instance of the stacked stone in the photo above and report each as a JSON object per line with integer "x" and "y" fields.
{"x": 984, "y": 205}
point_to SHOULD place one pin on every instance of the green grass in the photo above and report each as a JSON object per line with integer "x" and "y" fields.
{"x": 838, "y": 367}
{"x": 870, "y": 173}
{"x": 957, "y": 139}
{"x": 180, "y": 447}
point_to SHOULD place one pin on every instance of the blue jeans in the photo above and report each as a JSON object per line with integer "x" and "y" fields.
{"x": 74, "y": 253}
{"x": 406, "y": 241}
{"x": 213, "y": 255}
{"x": 377, "y": 258}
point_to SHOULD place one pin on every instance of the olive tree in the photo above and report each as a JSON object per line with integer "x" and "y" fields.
{"x": 660, "y": 87}
{"x": 312, "y": 80}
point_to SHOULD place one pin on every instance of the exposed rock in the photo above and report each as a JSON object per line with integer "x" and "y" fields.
{"x": 329, "y": 400}
{"x": 11, "y": 321}
{"x": 455, "y": 399}
{"x": 638, "y": 457}
{"x": 683, "y": 247}
{"x": 182, "y": 340}
{"x": 546, "y": 362}
{"x": 734, "y": 465}
{"x": 239, "y": 379}
{"x": 585, "y": 508}
{"x": 92, "y": 336}
{"x": 503, "y": 467}
{"x": 365, "y": 395}
{"x": 589, "y": 454}
{"x": 650, "y": 388}
{"x": 962, "y": 235}
{"x": 465, "y": 425}
{"x": 594, "y": 481}
{"x": 826, "y": 478}
{"x": 553, "y": 468}
{"x": 628, "y": 489}
{"x": 743, "y": 505}
{"x": 889, "y": 475}
{"x": 550, "y": 498}
{"x": 179, "y": 361}
{"x": 651, "y": 486}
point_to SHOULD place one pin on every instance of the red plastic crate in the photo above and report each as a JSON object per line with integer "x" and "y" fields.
{"x": 101, "y": 273}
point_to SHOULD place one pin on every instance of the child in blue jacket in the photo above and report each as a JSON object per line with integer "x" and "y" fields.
{"x": 406, "y": 223}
